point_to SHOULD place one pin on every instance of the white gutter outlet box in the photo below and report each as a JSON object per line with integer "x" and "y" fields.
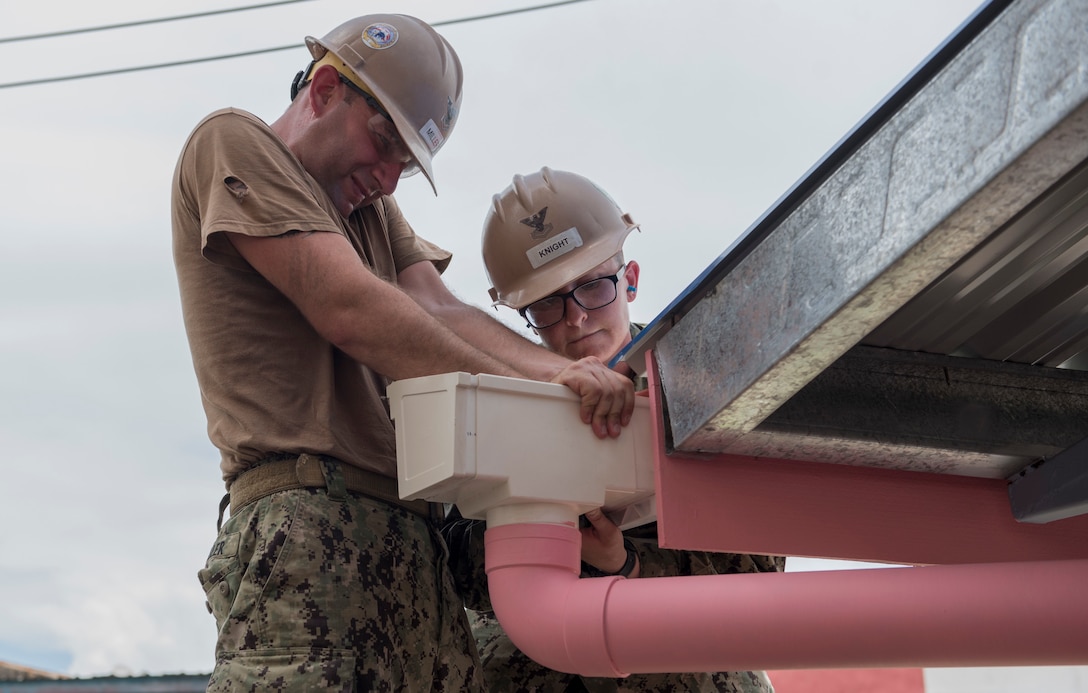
{"x": 483, "y": 441}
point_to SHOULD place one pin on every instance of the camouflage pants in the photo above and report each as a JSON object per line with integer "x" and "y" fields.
{"x": 314, "y": 593}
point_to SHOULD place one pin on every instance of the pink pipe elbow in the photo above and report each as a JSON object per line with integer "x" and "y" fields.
{"x": 548, "y": 612}
{"x": 1001, "y": 614}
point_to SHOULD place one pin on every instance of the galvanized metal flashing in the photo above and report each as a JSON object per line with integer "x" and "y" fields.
{"x": 1004, "y": 120}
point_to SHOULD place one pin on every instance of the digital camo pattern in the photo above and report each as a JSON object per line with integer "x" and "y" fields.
{"x": 507, "y": 669}
{"x": 655, "y": 561}
{"x": 312, "y": 593}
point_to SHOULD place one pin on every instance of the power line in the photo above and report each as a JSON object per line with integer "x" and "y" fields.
{"x": 143, "y": 22}
{"x": 230, "y": 56}
{"x": 504, "y": 13}
{"x": 142, "y": 68}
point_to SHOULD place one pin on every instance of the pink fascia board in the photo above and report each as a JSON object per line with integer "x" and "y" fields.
{"x": 740, "y": 504}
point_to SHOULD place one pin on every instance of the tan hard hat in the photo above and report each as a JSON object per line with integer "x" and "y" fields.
{"x": 544, "y": 231}
{"x": 410, "y": 69}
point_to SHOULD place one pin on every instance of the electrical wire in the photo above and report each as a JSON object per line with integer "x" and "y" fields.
{"x": 230, "y": 56}
{"x": 142, "y": 68}
{"x": 143, "y": 22}
{"x": 504, "y": 13}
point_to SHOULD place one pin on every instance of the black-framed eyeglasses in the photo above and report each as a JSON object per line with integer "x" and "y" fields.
{"x": 594, "y": 294}
{"x": 367, "y": 96}
{"x": 303, "y": 78}
{"x": 389, "y": 143}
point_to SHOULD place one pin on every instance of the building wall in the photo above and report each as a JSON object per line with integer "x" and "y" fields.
{"x": 848, "y": 681}
{"x": 957, "y": 680}
{"x": 1008, "y": 680}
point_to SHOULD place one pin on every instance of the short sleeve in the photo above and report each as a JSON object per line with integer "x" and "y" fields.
{"x": 408, "y": 248}
{"x": 238, "y": 176}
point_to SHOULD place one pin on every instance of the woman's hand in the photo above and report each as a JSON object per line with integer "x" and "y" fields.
{"x": 602, "y": 544}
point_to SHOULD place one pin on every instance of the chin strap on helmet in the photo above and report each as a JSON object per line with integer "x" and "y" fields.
{"x": 301, "y": 79}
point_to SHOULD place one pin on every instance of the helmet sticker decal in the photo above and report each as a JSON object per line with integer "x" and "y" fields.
{"x": 380, "y": 36}
{"x": 431, "y": 135}
{"x": 536, "y": 223}
{"x": 451, "y": 113}
{"x": 554, "y": 248}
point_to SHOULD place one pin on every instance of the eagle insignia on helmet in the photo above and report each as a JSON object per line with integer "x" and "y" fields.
{"x": 536, "y": 223}
{"x": 451, "y": 113}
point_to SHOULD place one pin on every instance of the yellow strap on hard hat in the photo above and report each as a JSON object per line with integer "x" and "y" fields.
{"x": 341, "y": 67}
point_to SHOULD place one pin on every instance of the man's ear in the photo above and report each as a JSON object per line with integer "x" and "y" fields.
{"x": 630, "y": 274}
{"x": 324, "y": 87}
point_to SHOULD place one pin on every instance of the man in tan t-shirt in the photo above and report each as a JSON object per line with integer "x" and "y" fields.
{"x": 304, "y": 291}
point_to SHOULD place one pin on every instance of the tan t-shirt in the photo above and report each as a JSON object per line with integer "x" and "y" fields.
{"x": 269, "y": 383}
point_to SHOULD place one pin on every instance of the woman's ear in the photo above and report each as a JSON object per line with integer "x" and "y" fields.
{"x": 630, "y": 274}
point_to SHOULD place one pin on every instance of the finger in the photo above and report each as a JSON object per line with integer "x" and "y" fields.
{"x": 628, "y": 402}
{"x": 596, "y": 403}
{"x": 596, "y": 518}
{"x": 604, "y": 526}
{"x": 589, "y": 539}
{"x": 607, "y": 399}
{"x": 603, "y": 416}
{"x": 589, "y": 406}
{"x": 622, "y": 406}
{"x": 604, "y": 407}
{"x": 615, "y": 426}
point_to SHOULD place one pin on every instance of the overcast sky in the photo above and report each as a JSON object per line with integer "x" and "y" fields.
{"x": 695, "y": 115}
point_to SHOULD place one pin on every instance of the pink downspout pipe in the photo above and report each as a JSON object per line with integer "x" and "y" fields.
{"x": 998, "y": 614}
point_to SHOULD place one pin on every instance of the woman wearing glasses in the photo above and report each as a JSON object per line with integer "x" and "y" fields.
{"x": 553, "y": 250}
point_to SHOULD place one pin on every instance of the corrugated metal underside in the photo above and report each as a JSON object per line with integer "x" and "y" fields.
{"x": 981, "y": 374}
{"x": 1020, "y": 296}
{"x": 921, "y": 306}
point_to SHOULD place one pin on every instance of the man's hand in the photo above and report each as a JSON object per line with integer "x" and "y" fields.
{"x": 608, "y": 398}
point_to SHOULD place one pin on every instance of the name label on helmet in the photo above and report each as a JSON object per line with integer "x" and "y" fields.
{"x": 431, "y": 135}
{"x": 554, "y": 248}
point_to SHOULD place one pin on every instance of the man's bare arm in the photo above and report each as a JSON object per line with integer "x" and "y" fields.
{"x": 368, "y": 318}
{"x": 422, "y": 282}
{"x": 607, "y": 396}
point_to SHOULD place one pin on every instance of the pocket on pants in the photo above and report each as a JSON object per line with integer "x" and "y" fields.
{"x": 286, "y": 670}
{"x": 221, "y": 575}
